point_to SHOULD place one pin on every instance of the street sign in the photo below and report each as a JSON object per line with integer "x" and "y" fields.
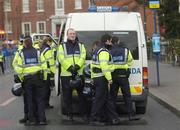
{"x": 156, "y": 43}
{"x": 154, "y": 4}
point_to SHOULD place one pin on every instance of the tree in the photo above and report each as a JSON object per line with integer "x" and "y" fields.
{"x": 170, "y": 18}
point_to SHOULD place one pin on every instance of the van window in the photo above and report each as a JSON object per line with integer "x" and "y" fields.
{"x": 127, "y": 38}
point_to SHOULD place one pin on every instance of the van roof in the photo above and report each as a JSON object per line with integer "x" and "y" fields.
{"x": 105, "y": 21}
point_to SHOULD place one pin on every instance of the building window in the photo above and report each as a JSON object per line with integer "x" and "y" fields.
{"x": 25, "y": 5}
{"x": 59, "y": 4}
{"x": 40, "y": 5}
{"x": 8, "y": 26}
{"x": 7, "y": 5}
{"x": 91, "y": 3}
{"x": 41, "y": 27}
{"x": 26, "y": 28}
{"x": 78, "y": 4}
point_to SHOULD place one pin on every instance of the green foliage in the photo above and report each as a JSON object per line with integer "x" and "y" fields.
{"x": 170, "y": 18}
{"x": 177, "y": 46}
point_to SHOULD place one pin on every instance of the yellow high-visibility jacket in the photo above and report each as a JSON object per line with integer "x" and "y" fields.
{"x": 48, "y": 57}
{"x": 101, "y": 64}
{"x": 67, "y": 57}
{"x": 26, "y": 64}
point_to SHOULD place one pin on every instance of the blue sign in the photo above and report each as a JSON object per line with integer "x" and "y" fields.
{"x": 156, "y": 43}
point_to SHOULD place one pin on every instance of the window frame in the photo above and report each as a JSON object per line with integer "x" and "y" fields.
{"x": 61, "y": 5}
{"x": 8, "y": 4}
{"x": 23, "y": 27}
{"x": 76, "y": 3}
{"x": 24, "y": 9}
{"x": 39, "y": 2}
{"x": 38, "y": 27}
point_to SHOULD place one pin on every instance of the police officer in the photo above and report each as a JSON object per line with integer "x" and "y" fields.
{"x": 29, "y": 69}
{"x": 122, "y": 60}
{"x": 101, "y": 74}
{"x": 71, "y": 56}
{"x": 48, "y": 56}
{"x": 18, "y": 78}
{"x": 2, "y": 62}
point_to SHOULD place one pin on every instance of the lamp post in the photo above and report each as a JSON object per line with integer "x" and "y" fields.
{"x": 154, "y": 5}
{"x": 144, "y": 10}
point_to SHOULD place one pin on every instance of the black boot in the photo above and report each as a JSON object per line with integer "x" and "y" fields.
{"x": 23, "y": 120}
{"x": 70, "y": 116}
{"x": 133, "y": 117}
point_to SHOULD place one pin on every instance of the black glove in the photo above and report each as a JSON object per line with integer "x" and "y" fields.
{"x": 128, "y": 72}
{"x": 17, "y": 79}
{"x": 77, "y": 67}
{"x": 72, "y": 70}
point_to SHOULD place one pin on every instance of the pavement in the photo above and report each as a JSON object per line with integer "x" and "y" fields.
{"x": 168, "y": 93}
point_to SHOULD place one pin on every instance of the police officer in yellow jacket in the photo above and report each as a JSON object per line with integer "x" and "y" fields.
{"x": 101, "y": 74}
{"x": 122, "y": 60}
{"x": 29, "y": 69}
{"x": 71, "y": 56}
{"x": 17, "y": 79}
{"x": 2, "y": 62}
{"x": 47, "y": 54}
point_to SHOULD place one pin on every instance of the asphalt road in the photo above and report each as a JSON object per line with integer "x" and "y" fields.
{"x": 157, "y": 117}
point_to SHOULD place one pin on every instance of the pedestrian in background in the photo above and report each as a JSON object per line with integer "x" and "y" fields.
{"x": 2, "y": 61}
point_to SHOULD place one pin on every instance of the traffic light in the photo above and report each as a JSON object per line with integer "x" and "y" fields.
{"x": 2, "y": 35}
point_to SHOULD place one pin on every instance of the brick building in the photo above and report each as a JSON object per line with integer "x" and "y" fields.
{"x": 1, "y": 15}
{"x": 45, "y": 16}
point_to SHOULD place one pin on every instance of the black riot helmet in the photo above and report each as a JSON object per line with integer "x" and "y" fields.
{"x": 17, "y": 89}
{"x": 89, "y": 91}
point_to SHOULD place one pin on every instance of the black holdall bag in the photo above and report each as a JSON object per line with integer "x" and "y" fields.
{"x": 75, "y": 82}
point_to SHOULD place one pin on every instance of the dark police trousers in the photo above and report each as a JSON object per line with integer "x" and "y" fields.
{"x": 35, "y": 97}
{"x": 122, "y": 82}
{"x": 2, "y": 67}
{"x": 48, "y": 91}
{"x": 67, "y": 96}
{"x": 102, "y": 101}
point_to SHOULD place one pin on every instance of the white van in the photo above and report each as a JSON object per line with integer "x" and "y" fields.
{"x": 127, "y": 26}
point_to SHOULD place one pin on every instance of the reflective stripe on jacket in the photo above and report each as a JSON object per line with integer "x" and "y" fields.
{"x": 122, "y": 57}
{"x": 28, "y": 62}
{"x": 47, "y": 60}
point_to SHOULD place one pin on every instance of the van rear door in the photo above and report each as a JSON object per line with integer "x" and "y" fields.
{"x": 126, "y": 27}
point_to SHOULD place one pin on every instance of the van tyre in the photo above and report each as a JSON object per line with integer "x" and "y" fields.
{"x": 140, "y": 110}
{"x": 141, "y": 107}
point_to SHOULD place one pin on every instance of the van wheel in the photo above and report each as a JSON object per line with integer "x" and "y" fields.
{"x": 141, "y": 107}
{"x": 140, "y": 110}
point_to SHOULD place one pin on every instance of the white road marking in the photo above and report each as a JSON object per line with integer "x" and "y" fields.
{"x": 7, "y": 102}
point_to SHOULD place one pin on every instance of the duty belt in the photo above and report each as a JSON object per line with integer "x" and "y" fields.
{"x": 97, "y": 70}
